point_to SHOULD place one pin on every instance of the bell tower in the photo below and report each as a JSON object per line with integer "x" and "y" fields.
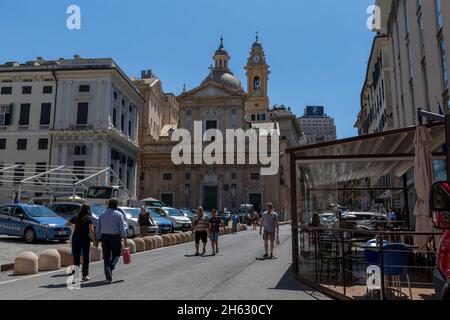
{"x": 257, "y": 106}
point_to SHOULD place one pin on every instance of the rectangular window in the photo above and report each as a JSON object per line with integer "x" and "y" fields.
{"x": 84, "y": 88}
{"x": 444, "y": 64}
{"x": 22, "y": 144}
{"x": 254, "y": 176}
{"x": 5, "y": 115}
{"x": 405, "y": 14}
{"x": 47, "y": 90}
{"x": 45, "y": 113}
{"x": 130, "y": 129}
{"x": 79, "y": 169}
{"x": 79, "y": 150}
{"x": 211, "y": 124}
{"x": 122, "y": 123}
{"x": 167, "y": 177}
{"x": 24, "y": 118}
{"x": 187, "y": 176}
{"x": 6, "y": 90}
{"x": 233, "y": 176}
{"x": 2, "y": 144}
{"x": 82, "y": 114}
{"x": 115, "y": 117}
{"x": 115, "y": 95}
{"x": 26, "y": 90}
{"x": 43, "y": 144}
{"x": 439, "y": 14}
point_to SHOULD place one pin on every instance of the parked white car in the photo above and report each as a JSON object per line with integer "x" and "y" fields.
{"x": 178, "y": 219}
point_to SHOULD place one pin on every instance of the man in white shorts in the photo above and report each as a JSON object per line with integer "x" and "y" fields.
{"x": 269, "y": 222}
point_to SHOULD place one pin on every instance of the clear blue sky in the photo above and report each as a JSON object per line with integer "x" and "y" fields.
{"x": 317, "y": 49}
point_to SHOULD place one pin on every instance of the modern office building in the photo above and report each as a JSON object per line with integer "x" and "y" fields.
{"x": 317, "y": 126}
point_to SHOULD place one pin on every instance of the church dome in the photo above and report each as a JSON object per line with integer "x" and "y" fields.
{"x": 224, "y": 78}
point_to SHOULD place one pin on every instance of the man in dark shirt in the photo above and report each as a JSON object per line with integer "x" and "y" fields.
{"x": 214, "y": 227}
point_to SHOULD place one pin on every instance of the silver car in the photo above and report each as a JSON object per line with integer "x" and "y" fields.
{"x": 131, "y": 216}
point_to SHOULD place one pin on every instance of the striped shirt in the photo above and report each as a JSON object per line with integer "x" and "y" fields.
{"x": 201, "y": 223}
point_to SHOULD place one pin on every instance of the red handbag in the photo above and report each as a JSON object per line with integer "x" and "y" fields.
{"x": 126, "y": 256}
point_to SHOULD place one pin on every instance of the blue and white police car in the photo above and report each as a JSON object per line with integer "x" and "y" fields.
{"x": 32, "y": 222}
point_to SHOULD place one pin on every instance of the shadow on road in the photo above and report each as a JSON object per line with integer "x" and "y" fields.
{"x": 95, "y": 284}
{"x": 289, "y": 282}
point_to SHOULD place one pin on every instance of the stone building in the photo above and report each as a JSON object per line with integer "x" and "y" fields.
{"x": 72, "y": 112}
{"x": 221, "y": 102}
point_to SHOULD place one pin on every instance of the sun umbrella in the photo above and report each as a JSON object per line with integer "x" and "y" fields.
{"x": 423, "y": 179}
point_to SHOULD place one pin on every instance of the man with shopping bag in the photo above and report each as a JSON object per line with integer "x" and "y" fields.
{"x": 111, "y": 231}
{"x": 269, "y": 222}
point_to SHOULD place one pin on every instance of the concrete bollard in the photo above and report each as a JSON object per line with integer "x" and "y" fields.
{"x": 240, "y": 228}
{"x": 148, "y": 243}
{"x": 167, "y": 240}
{"x": 140, "y": 244}
{"x": 173, "y": 239}
{"x": 49, "y": 260}
{"x": 26, "y": 263}
{"x": 96, "y": 254}
{"x": 132, "y": 246}
{"x": 177, "y": 238}
{"x": 189, "y": 236}
{"x": 66, "y": 257}
{"x": 183, "y": 237}
{"x": 228, "y": 230}
{"x": 244, "y": 227}
{"x": 222, "y": 231}
{"x": 159, "y": 241}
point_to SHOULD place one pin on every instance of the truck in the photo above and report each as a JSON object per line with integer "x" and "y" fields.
{"x": 102, "y": 194}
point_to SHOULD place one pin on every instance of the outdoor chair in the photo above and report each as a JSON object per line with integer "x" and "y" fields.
{"x": 396, "y": 258}
{"x": 329, "y": 256}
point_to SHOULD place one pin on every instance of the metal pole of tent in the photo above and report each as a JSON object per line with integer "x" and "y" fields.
{"x": 294, "y": 216}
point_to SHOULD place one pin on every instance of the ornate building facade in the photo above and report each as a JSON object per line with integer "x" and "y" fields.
{"x": 221, "y": 102}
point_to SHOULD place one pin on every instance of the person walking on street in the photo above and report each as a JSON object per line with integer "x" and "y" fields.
{"x": 255, "y": 220}
{"x": 214, "y": 227}
{"x": 200, "y": 229}
{"x": 111, "y": 231}
{"x": 81, "y": 242}
{"x": 271, "y": 229}
{"x": 235, "y": 221}
{"x": 145, "y": 220}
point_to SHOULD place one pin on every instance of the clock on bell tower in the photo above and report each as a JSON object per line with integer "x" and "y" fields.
{"x": 257, "y": 106}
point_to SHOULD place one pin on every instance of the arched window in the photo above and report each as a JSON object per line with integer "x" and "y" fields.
{"x": 257, "y": 83}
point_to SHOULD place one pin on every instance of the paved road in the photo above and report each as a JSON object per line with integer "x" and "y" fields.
{"x": 10, "y": 247}
{"x": 168, "y": 274}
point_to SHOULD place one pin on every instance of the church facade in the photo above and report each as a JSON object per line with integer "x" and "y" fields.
{"x": 221, "y": 102}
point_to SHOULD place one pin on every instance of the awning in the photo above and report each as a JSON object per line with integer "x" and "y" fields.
{"x": 374, "y": 155}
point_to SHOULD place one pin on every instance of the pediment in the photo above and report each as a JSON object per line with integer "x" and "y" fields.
{"x": 211, "y": 90}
